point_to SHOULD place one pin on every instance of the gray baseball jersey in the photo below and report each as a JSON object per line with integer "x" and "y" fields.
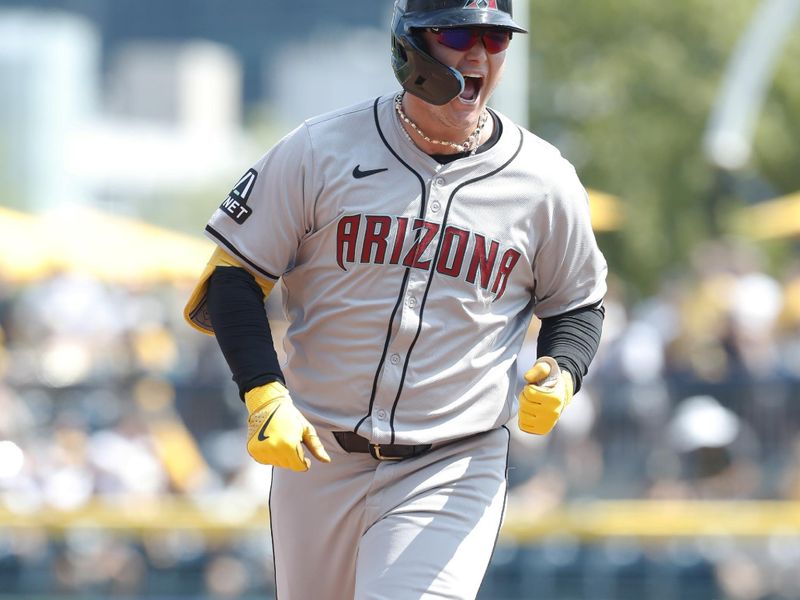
{"x": 409, "y": 284}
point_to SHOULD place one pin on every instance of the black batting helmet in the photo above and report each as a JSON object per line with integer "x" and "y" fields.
{"x": 416, "y": 70}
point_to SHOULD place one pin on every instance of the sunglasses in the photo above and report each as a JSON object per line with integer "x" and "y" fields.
{"x": 463, "y": 38}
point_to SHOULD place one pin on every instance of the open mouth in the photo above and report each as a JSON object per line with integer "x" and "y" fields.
{"x": 472, "y": 88}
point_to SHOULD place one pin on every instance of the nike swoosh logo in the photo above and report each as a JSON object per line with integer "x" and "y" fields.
{"x": 261, "y": 436}
{"x": 358, "y": 173}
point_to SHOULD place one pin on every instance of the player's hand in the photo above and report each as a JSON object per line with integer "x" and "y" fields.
{"x": 547, "y": 393}
{"x": 276, "y": 431}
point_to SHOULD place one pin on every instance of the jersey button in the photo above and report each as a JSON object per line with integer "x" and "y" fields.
{"x": 394, "y": 359}
{"x": 381, "y": 415}
{"x": 435, "y": 206}
{"x": 411, "y": 301}
{"x": 439, "y": 181}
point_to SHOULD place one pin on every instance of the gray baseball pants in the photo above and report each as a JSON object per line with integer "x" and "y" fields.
{"x": 363, "y": 529}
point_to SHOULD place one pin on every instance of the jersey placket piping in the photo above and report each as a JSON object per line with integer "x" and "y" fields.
{"x": 431, "y": 273}
{"x": 411, "y": 313}
{"x": 406, "y": 274}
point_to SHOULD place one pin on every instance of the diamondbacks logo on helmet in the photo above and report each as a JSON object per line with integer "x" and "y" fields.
{"x": 481, "y": 4}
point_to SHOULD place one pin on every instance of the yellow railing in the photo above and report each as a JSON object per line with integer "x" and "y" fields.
{"x": 226, "y": 517}
{"x": 658, "y": 519}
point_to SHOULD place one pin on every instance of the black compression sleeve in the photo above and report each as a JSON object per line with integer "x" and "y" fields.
{"x": 236, "y": 309}
{"x": 572, "y": 339}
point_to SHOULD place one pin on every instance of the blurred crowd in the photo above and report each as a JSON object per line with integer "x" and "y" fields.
{"x": 106, "y": 394}
{"x": 693, "y": 393}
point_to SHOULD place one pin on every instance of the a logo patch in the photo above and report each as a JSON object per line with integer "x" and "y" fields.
{"x": 481, "y": 4}
{"x": 359, "y": 174}
{"x": 261, "y": 436}
{"x": 235, "y": 205}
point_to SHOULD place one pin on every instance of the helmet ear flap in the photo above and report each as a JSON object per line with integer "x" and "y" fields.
{"x": 421, "y": 74}
{"x": 399, "y": 54}
{"x": 431, "y": 80}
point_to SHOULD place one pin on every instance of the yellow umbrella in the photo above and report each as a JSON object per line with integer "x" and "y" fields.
{"x": 776, "y": 218}
{"x": 23, "y": 255}
{"x": 606, "y": 211}
{"x": 122, "y": 250}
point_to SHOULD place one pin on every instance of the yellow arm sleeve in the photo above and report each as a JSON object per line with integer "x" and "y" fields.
{"x": 196, "y": 310}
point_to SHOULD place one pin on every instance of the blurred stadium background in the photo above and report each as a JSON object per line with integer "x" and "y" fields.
{"x": 675, "y": 475}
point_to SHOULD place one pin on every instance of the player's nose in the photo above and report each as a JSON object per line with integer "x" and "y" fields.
{"x": 477, "y": 53}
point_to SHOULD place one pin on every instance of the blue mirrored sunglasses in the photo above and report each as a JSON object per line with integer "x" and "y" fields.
{"x": 464, "y": 38}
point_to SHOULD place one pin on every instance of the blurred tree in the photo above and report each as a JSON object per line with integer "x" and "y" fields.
{"x": 625, "y": 89}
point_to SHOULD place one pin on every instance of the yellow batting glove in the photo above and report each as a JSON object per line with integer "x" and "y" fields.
{"x": 276, "y": 430}
{"x": 547, "y": 393}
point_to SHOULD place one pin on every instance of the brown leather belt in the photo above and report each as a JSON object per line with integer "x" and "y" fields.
{"x": 352, "y": 442}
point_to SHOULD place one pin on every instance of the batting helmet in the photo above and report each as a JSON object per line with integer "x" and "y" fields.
{"x": 416, "y": 70}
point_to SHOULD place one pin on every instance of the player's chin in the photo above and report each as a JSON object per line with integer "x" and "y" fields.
{"x": 465, "y": 113}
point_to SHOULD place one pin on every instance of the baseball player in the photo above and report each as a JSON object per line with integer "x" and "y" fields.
{"x": 414, "y": 236}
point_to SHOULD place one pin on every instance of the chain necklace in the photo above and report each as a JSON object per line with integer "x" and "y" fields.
{"x": 470, "y": 144}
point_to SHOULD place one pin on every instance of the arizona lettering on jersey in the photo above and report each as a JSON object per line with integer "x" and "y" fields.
{"x": 382, "y": 239}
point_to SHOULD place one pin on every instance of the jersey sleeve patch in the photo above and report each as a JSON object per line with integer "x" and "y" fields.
{"x": 235, "y": 205}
